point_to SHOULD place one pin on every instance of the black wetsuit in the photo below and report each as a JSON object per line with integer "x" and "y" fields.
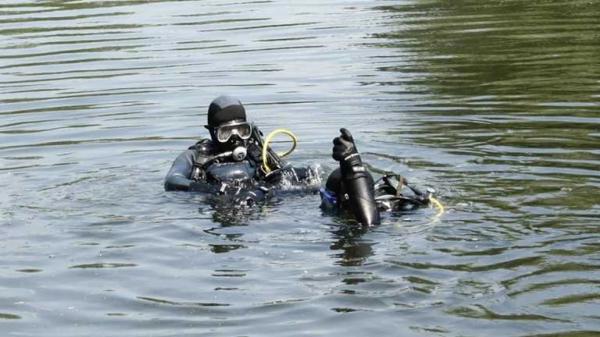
{"x": 202, "y": 168}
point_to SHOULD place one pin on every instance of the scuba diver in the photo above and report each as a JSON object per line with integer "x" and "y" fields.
{"x": 234, "y": 163}
{"x": 351, "y": 188}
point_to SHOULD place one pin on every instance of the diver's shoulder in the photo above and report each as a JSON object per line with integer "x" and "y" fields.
{"x": 204, "y": 146}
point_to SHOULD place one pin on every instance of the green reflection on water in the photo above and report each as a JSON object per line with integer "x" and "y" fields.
{"x": 512, "y": 85}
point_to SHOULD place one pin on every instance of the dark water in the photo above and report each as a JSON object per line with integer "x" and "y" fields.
{"x": 496, "y": 104}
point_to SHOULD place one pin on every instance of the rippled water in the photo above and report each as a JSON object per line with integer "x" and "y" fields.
{"x": 495, "y": 104}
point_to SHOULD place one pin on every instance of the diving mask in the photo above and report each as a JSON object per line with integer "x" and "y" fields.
{"x": 242, "y": 129}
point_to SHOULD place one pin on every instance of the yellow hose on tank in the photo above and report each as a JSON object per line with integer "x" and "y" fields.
{"x": 265, "y": 149}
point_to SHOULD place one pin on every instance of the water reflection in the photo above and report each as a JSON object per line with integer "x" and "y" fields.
{"x": 354, "y": 249}
{"x": 230, "y": 237}
{"x": 229, "y": 213}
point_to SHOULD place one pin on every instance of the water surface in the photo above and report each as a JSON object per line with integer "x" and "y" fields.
{"x": 494, "y": 104}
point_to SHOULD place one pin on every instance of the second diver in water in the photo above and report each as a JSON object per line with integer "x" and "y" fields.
{"x": 351, "y": 188}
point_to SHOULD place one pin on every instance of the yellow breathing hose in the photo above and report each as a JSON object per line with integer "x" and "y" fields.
{"x": 265, "y": 149}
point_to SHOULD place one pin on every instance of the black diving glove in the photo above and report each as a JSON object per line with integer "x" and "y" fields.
{"x": 344, "y": 151}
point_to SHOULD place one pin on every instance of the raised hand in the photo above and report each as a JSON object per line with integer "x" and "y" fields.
{"x": 344, "y": 149}
{"x": 343, "y": 145}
